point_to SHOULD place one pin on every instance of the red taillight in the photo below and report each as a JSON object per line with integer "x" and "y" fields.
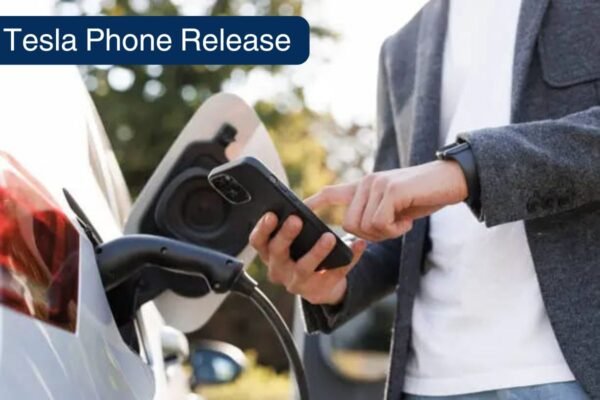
{"x": 39, "y": 250}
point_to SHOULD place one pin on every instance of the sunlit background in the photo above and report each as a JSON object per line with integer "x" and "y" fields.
{"x": 337, "y": 83}
{"x": 319, "y": 114}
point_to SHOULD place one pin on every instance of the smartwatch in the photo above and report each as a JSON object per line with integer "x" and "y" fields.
{"x": 462, "y": 153}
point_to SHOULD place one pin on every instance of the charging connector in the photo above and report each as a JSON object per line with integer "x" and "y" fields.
{"x": 121, "y": 260}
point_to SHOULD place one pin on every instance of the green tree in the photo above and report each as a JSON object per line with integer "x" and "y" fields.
{"x": 145, "y": 107}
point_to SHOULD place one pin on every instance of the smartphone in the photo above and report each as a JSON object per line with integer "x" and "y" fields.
{"x": 247, "y": 183}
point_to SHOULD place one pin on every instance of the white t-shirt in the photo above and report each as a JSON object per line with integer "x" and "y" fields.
{"x": 479, "y": 322}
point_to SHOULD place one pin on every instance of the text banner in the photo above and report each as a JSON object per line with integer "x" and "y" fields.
{"x": 154, "y": 40}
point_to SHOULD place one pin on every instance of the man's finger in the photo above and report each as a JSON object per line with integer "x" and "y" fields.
{"x": 279, "y": 246}
{"x": 355, "y": 211}
{"x": 384, "y": 218}
{"x": 391, "y": 224}
{"x": 358, "y": 248}
{"x": 366, "y": 222}
{"x": 315, "y": 256}
{"x": 280, "y": 274}
{"x": 401, "y": 226}
{"x": 259, "y": 238}
{"x": 332, "y": 195}
{"x": 319, "y": 286}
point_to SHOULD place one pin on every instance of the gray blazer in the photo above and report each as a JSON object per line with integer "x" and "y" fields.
{"x": 544, "y": 169}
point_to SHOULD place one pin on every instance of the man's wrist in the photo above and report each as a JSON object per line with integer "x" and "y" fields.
{"x": 454, "y": 176}
{"x": 462, "y": 154}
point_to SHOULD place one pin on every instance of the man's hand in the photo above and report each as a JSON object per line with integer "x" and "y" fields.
{"x": 383, "y": 205}
{"x": 299, "y": 277}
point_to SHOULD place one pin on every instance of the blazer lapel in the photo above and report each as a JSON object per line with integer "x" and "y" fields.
{"x": 428, "y": 79}
{"x": 425, "y": 137}
{"x": 530, "y": 21}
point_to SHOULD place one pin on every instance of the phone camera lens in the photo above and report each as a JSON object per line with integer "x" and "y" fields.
{"x": 231, "y": 189}
{"x": 232, "y": 192}
{"x": 221, "y": 182}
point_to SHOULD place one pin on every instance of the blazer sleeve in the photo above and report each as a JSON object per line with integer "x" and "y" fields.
{"x": 536, "y": 169}
{"x": 376, "y": 273}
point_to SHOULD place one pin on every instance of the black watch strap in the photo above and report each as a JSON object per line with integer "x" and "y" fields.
{"x": 462, "y": 153}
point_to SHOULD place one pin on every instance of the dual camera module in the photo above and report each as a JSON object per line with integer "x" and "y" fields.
{"x": 230, "y": 189}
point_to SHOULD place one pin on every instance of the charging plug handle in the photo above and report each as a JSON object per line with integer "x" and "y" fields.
{"x": 122, "y": 258}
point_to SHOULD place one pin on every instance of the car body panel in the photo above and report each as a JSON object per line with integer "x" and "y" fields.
{"x": 51, "y": 127}
{"x": 46, "y": 114}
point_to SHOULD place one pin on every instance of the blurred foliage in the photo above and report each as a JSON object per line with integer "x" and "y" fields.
{"x": 145, "y": 107}
{"x": 256, "y": 383}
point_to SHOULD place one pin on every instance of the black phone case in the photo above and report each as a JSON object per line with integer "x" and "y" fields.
{"x": 269, "y": 194}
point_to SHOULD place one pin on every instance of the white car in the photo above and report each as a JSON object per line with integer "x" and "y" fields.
{"x": 62, "y": 335}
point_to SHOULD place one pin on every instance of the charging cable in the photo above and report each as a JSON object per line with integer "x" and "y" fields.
{"x": 128, "y": 257}
{"x": 247, "y": 287}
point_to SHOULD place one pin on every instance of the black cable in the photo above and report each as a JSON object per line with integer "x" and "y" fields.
{"x": 121, "y": 259}
{"x": 247, "y": 287}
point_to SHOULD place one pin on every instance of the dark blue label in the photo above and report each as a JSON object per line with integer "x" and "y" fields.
{"x": 154, "y": 40}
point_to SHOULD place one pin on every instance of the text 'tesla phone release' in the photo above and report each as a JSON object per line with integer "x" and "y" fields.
{"x": 247, "y": 183}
